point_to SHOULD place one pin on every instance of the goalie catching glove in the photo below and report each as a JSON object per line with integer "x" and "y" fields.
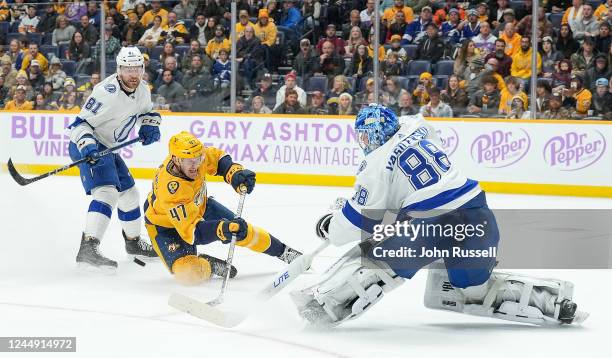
{"x": 322, "y": 226}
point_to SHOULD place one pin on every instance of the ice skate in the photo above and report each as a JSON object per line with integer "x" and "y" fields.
{"x": 139, "y": 248}
{"x": 89, "y": 258}
{"x": 289, "y": 255}
{"x": 218, "y": 266}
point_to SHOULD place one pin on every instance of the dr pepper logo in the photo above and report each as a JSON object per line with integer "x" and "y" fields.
{"x": 500, "y": 148}
{"x": 450, "y": 139}
{"x": 574, "y": 150}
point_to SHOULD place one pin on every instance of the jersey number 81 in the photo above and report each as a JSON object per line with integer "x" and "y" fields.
{"x": 423, "y": 164}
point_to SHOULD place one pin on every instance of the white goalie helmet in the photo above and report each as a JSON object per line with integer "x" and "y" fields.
{"x": 130, "y": 66}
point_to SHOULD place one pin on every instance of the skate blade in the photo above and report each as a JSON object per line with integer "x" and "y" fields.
{"x": 144, "y": 258}
{"x": 105, "y": 270}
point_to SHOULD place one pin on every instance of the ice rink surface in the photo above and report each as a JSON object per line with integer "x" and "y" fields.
{"x": 126, "y": 315}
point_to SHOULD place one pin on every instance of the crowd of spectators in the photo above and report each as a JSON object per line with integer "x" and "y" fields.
{"x": 439, "y": 58}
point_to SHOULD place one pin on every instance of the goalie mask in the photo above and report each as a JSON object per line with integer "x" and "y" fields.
{"x": 375, "y": 124}
{"x": 130, "y": 67}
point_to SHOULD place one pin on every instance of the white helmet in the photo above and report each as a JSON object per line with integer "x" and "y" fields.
{"x": 130, "y": 57}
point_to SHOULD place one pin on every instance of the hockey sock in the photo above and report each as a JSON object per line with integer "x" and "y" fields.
{"x": 100, "y": 210}
{"x": 128, "y": 211}
{"x": 260, "y": 240}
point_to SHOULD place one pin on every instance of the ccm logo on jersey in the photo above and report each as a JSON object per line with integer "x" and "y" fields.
{"x": 111, "y": 88}
{"x": 173, "y": 187}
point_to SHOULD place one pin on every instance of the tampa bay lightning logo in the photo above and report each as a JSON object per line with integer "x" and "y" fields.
{"x": 362, "y": 166}
{"x": 110, "y": 88}
{"x": 123, "y": 131}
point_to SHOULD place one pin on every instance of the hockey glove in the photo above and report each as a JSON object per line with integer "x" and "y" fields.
{"x": 237, "y": 176}
{"x": 88, "y": 147}
{"x": 322, "y": 227}
{"x": 149, "y": 129}
{"x": 227, "y": 228}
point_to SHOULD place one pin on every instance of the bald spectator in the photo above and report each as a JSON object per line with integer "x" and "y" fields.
{"x": 330, "y": 64}
{"x": 512, "y": 39}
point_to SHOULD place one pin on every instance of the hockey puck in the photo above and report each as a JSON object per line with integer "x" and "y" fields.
{"x": 141, "y": 263}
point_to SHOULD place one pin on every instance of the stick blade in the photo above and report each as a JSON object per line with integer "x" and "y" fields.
{"x": 205, "y": 311}
{"x": 16, "y": 176}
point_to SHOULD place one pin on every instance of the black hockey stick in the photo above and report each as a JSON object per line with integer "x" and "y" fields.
{"x": 25, "y": 181}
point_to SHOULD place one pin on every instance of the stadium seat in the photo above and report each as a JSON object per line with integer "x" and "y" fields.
{"x": 444, "y": 67}
{"x": 412, "y": 82}
{"x": 403, "y": 82}
{"x": 13, "y": 35}
{"x": 317, "y": 83}
{"x": 555, "y": 19}
{"x": 62, "y": 50}
{"x": 156, "y": 52}
{"x": 143, "y": 49}
{"x": 4, "y": 27}
{"x": 154, "y": 64}
{"x": 111, "y": 67}
{"x": 351, "y": 80}
{"x": 48, "y": 39}
{"x": 69, "y": 67}
{"x": 82, "y": 79}
{"x": 181, "y": 50}
{"x": 594, "y": 3}
{"x": 410, "y": 51}
{"x": 517, "y": 5}
{"x": 416, "y": 67}
{"x": 189, "y": 22}
{"x": 440, "y": 81}
{"x": 49, "y": 49}
{"x": 34, "y": 38}
{"x": 547, "y": 80}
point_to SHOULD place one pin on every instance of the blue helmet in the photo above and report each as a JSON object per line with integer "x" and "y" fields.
{"x": 375, "y": 124}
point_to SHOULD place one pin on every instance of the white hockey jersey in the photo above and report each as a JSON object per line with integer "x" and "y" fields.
{"x": 410, "y": 172}
{"x": 109, "y": 114}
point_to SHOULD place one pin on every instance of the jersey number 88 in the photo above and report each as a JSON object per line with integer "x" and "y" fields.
{"x": 423, "y": 164}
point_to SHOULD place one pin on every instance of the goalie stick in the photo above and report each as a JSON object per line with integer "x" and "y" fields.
{"x": 230, "y": 319}
{"x": 25, "y": 181}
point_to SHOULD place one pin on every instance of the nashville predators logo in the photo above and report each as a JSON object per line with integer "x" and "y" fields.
{"x": 173, "y": 187}
{"x": 173, "y": 247}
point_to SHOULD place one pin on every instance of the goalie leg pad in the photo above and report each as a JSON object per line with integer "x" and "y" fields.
{"x": 191, "y": 270}
{"x": 349, "y": 288}
{"x": 505, "y": 296}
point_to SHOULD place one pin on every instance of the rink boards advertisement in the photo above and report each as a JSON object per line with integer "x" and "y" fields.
{"x": 522, "y": 156}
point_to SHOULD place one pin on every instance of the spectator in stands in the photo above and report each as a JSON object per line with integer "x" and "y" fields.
{"x": 454, "y": 95}
{"x": 291, "y": 17}
{"x": 266, "y": 32}
{"x": 490, "y": 69}
{"x": 41, "y": 103}
{"x": 172, "y": 91}
{"x": 449, "y": 28}
{"x": 3, "y": 92}
{"x": 290, "y": 84}
{"x": 518, "y": 109}
{"x": 48, "y": 20}
{"x": 545, "y": 27}
{"x": 361, "y": 63}
{"x": 116, "y": 30}
{"x": 169, "y": 64}
{"x": 431, "y": 47}
{"x": 185, "y": 9}
{"x": 94, "y": 14}
{"x": 209, "y": 31}
{"x": 33, "y": 54}
{"x": 556, "y": 111}
{"x": 267, "y": 90}
{"x": 563, "y": 75}
{"x": 435, "y": 107}
{"x": 218, "y": 43}
{"x": 521, "y": 62}
{"x": 290, "y": 105}
{"x": 405, "y": 106}
{"x": 550, "y": 57}
{"x": 482, "y": 10}
{"x": 566, "y": 43}
{"x": 573, "y": 14}
{"x": 392, "y": 91}
{"x": 471, "y": 27}
{"x": 112, "y": 45}
{"x": 392, "y": 66}
{"x": 222, "y": 69}
{"x": 85, "y": 89}
{"x": 362, "y": 97}
{"x": 250, "y": 55}
{"x": 195, "y": 49}
{"x": 511, "y": 90}
{"x": 7, "y": 71}
{"x": 508, "y": 18}
{"x": 339, "y": 86}
{"x": 156, "y": 10}
{"x": 345, "y": 105}
{"x": 129, "y": 6}
{"x": 311, "y": 11}
{"x": 601, "y": 69}
{"x": 258, "y": 106}
{"x": 587, "y": 26}
{"x": 29, "y": 22}
{"x": 306, "y": 62}
{"x": 16, "y": 51}
{"x": 397, "y": 27}
{"x": 197, "y": 31}
{"x": 354, "y": 21}
{"x": 603, "y": 39}
{"x": 90, "y": 33}
{"x": 421, "y": 92}
{"x": 242, "y": 23}
{"x": 22, "y": 80}
{"x": 330, "y": 63}
{"x": 601, "y": 105}
{"x": 496, "y": 12}
{"x": 602, "y": 10}
{"x": 367, "y": 14}
{"x": 168, "y": 51}
{"x": 486, "y": 100}
{"x": 398, "y": 5}
{"x": 355, "y": 39}
{"x": 240, "y": 105}
{"x": 5, "y": 14}
{"x": 133, "y": 31}
{"x": 317, "y": 104}
{"x": 485, "y": 41}
{"x": 557, "y": 6}
{"x": 70, "y": 102}
{"x": 63, "y": 32}
{"x": 18, "y": 9}
{"x": 79, "y": 51}
{"x": 543, "y": 92}
{"x": 19, "y": 103}
{"x": 338, "y": 43}
{"x": 581, "y": 96}
{"x": 469, "y": 62}
{"x": 141, "y": 9}
{"x": 511, "y": 38}
{"x": 151, "y": 36}
{"x": 417, "y": 28}
{"x": 35, "y": 75}
{"x": 75, "y": 10}
{"x": 584, "y": 58}
{"x": 396, "y": 47}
